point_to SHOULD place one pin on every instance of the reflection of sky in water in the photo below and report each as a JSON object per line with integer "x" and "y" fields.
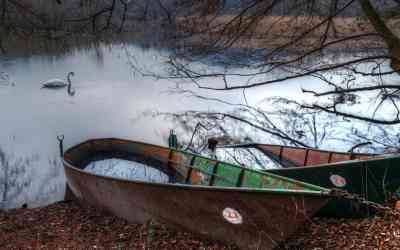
{"x": 248, "y": 157}
{"x": 108, "y": 99}
{"x": 128, "y": 170}
{"x": 109, "y": 102}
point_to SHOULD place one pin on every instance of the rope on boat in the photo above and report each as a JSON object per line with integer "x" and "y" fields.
{"x": 338, "y": 193}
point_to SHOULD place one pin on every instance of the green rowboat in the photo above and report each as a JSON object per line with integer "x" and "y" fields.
{"x": 375, "y": 178}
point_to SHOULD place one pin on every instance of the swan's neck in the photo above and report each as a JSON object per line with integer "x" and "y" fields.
{"x": 70, "y": 91}
{"x": 69, "y": 83}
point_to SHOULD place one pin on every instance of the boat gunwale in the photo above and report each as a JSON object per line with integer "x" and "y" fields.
{"x": 255, "y": 145}
{"x": 260, "y": 172}
{"x": 352, "y": 163}
{"x": 324, "y": 191}
{"x": 378, "y": 157}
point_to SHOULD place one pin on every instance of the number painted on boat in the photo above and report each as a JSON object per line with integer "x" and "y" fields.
{"x": 338, "y": 180}
{"x": 232, "y": 216}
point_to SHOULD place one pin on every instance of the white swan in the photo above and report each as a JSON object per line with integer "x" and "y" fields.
{"x": 58, "y": 84}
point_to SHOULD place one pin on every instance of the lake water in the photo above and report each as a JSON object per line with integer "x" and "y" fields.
{"x": 110, "y": 101}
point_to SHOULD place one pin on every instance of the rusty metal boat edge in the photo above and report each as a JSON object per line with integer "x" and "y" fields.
{"x": 267, "y": 216}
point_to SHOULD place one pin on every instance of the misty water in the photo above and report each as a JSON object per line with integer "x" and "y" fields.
{"x": 111, "y": 100}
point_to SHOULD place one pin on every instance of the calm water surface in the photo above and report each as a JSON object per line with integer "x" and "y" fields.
{"x": 110, "y": 101}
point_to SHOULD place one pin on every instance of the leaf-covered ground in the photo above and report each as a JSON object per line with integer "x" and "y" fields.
{"x": 381, "y": 232}
{"x": 70, "y": 226}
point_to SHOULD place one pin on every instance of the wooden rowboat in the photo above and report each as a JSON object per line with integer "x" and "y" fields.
{"x": 218, "y": 200}
{"x": 373, "y": 177}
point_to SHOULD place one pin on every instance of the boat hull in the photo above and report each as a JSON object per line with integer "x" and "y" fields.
{"x": 267, "y": 218}
{"x": 373, "y": 177}
{"x": 376, "y": 180}
{"x": 261, "y": 218}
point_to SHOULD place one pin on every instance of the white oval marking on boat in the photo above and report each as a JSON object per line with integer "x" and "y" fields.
{"x": 232, "y": 216}
{"x": 337, "y": 180}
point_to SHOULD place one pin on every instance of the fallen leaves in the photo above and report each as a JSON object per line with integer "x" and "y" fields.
{"x": 71, "y": 226}
{"x": 380, "y": 232}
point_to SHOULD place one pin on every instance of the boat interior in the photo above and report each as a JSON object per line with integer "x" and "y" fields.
{"x": 181, "y": 167}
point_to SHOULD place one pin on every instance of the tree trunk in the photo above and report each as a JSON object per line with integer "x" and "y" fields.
{"x": 391, "y": 40}
{"x": 395, "y": 64}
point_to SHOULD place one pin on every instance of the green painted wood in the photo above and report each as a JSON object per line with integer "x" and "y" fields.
{"x": 227, "y": 175}
{"x": 231, "y": 175}
{"x": 377, "y": 180}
